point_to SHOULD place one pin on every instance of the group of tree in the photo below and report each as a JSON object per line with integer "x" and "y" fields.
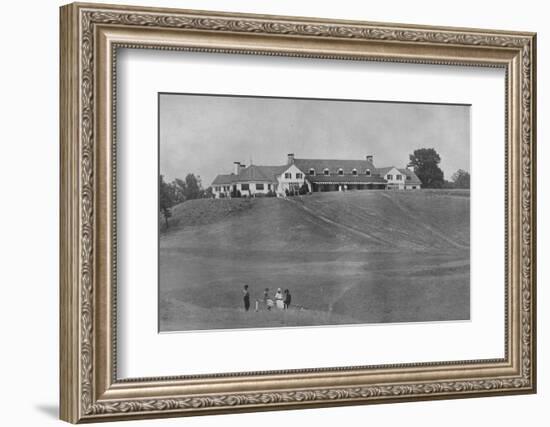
{"x": 461, "y": 179}
{"x": 178, "y": 191}
{"x": 425, "y": 162}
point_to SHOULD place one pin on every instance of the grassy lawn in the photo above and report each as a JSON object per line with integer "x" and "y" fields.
{"x": 355, "y": 257}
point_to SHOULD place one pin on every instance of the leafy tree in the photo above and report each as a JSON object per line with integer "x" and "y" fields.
{"x": 448, "y": 184}
{"x": 193, "y": 187}
{"x": 208, "y": 193}
{"x": 166, "y": 200}
{"x": 425, "y": 162}
{"x": 179, "y": 188}
{"x": 178, "y": 191}
{"x": 461, "y": 179}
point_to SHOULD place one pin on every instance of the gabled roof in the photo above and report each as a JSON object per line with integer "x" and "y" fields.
{"x": 383, "y": 171}
{"x": 254, "y": 173}
{"x": 257, "y": 173}
{"x": 223, "y": 179}
{"x": 319, "y": 165}
{"x": 271, "y": 172}
{"x": 414, "y": 179}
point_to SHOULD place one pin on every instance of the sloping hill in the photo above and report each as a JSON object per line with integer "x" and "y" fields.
{"x": 355, "y": 257}
{"x": 365, "y": 220}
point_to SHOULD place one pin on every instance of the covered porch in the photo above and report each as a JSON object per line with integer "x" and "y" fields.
{"x": 326, "y": 183}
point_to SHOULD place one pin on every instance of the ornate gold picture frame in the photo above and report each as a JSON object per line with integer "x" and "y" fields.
{"x": 90, "y": 36}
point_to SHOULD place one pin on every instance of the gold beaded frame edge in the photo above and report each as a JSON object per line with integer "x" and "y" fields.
{"x": 89, "y": 388}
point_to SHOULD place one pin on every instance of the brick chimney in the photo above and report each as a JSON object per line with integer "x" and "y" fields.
{"x": 370, "y": 158}
{"x": 236, "y": 167}
{"x": 290, "y": 158}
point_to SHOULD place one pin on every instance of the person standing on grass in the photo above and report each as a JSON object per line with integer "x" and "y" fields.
{"x": 287, "y": 299}
{"x": 279, "y": 299}
{"x": 266, "y": 298}
{"x": 246, "y": 298}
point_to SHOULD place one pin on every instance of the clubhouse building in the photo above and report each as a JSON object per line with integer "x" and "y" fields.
{"x": 318, "y": 175}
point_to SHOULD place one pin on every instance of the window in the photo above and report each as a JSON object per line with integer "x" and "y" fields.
{"x": 299, "y": 175}
{"x": 217, "y": 189}
{"x": 326, "y": 172}
{"x": 367, "y": 172}
{"x": 340, "y": 171}
{"x": 259, "y": 186}
{"x": 312, "y": 171}
{"x": 414, "y": 187}
{"x": 354, "y": 172}
{"x": 389, "y": 177}
{"x": 269, "y": 186}
{"x": 398, "y": 177}
{"x": 245, "y": 187}
{"x": 288, "y": 175}
{"x": 408, "y": 178}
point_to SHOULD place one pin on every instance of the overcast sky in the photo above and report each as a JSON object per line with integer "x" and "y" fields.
{"x": 204, "y": 135}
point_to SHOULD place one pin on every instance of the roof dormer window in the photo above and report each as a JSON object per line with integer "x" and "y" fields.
{"x": 340, "y": 171}
{"x": 312, "y": 171}
{"x": 354, "y": 172}
{"x": 326, "y": 172}
{"x": 368, "y": 172}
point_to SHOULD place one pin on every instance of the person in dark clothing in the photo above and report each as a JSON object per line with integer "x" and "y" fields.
{"x": 287, "y": 298}
{"x": 246, "y": 298}
{"x": 266, "y": 298}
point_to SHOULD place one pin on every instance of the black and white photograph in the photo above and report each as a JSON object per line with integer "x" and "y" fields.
{"x": 298, "y": 212}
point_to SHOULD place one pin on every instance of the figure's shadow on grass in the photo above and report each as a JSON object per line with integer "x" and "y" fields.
{"x": 50, "y": 410}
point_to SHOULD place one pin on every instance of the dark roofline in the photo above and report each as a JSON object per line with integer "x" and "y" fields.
{"x": 306, "y": 164}
{"x": 298, "y": 160}
{"x": 345, "y": 179}
{"x": 223, "y": 179}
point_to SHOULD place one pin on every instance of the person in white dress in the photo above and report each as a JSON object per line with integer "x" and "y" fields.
{"x": 279, "y": 299}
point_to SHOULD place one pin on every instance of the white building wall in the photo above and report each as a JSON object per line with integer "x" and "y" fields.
{"x": 253, "y": 187}
{"x": 293, "y": 176}
{"x": 225, "y": 190}
{"x": 393, "y": 182}
{"x": 400, "y": 184}
{"x": 218, "y": 190}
